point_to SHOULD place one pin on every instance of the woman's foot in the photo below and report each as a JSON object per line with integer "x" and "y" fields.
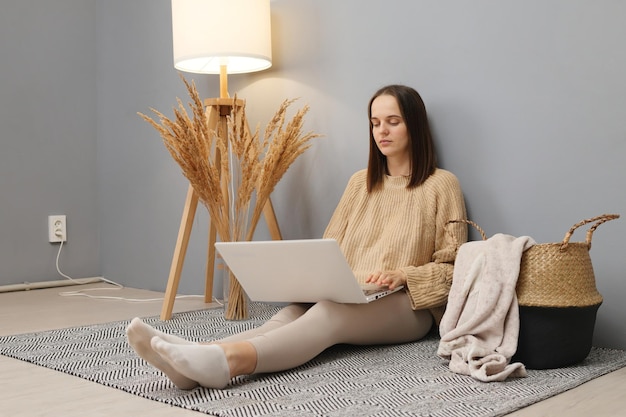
{"x": 147, "y": 331}
{"x": 139, "y": 336}
{"x": 206, "y": 364}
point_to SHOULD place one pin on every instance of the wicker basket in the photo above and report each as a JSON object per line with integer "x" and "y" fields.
{"x": 560, "y": 274}
{"x": 558, "y": 299}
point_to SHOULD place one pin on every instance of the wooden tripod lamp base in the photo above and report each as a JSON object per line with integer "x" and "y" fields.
{"x": 218, "y": 110}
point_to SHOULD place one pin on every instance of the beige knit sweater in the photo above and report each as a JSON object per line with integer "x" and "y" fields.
{"x": 400, "y": 228}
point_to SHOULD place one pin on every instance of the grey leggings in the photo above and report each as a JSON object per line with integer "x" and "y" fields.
{"x": 299, "y": 332}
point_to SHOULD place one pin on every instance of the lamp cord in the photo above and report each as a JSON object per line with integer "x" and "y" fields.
{"x": 83, "y": 293}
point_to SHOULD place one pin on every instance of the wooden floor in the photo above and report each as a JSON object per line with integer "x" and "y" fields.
{"x": 29, "y": 390}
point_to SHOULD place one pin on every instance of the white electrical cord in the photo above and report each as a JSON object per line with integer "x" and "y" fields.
{"x": 82, "y": 293}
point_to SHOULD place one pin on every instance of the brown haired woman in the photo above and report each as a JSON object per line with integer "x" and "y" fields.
{"x": 390, "y": 224}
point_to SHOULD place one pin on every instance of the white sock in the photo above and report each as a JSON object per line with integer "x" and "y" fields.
{"x": 147, "y": 331}
{"x": 139, "y": 335}
{"x": 206, "y": 364}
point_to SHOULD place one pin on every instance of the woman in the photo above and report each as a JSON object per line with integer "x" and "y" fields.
{"x": 390, "y": 224}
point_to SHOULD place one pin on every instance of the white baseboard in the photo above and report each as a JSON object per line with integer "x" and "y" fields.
{"x": 48, "y": 284}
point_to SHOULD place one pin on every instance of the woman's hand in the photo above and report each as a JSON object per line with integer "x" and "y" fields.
{"x": 392, "y": 279}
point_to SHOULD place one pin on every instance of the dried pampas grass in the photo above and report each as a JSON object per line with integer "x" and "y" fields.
{"x": 233, "y": 171}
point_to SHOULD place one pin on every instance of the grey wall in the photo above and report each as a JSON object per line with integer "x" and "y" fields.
{"x": 47, "y": 138}
{"x": 526, "y": 99}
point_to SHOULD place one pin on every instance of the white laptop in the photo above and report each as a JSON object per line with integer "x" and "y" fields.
{"x": 306, "y": 271}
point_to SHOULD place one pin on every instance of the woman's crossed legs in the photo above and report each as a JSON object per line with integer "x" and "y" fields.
{"x": 295, "y": 335}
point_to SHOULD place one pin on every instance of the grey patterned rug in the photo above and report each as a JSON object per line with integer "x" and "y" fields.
{"x": 401, "y": 380}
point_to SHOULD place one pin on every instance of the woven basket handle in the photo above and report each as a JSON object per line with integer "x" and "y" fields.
{"x": 598, "y": 221}
{"x": 477, "y": 227}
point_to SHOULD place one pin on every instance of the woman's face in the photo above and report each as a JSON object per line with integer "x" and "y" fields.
{"x": 388, "y": 127}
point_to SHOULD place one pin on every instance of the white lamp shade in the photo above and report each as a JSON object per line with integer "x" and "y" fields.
{"x": 208, "y": 34}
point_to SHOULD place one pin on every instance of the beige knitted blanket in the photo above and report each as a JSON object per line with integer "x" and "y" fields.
{"x": 480, "y": 328}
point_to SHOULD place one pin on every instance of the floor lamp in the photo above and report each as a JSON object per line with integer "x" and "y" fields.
{"x": 216, "y": 37}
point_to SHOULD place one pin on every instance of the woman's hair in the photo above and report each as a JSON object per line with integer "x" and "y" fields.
{"x": 422, "y": 154}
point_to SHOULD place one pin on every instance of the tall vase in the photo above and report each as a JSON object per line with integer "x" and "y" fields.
{"x": 234, "y": 298}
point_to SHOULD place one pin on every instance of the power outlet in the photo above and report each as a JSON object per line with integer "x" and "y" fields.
{"x": 57, "y": 229}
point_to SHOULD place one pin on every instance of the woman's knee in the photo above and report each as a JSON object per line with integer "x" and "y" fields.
{"x": 328, "y": 308}
{"x": 289, "y": 313}
{"x": 333, "y": 316}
